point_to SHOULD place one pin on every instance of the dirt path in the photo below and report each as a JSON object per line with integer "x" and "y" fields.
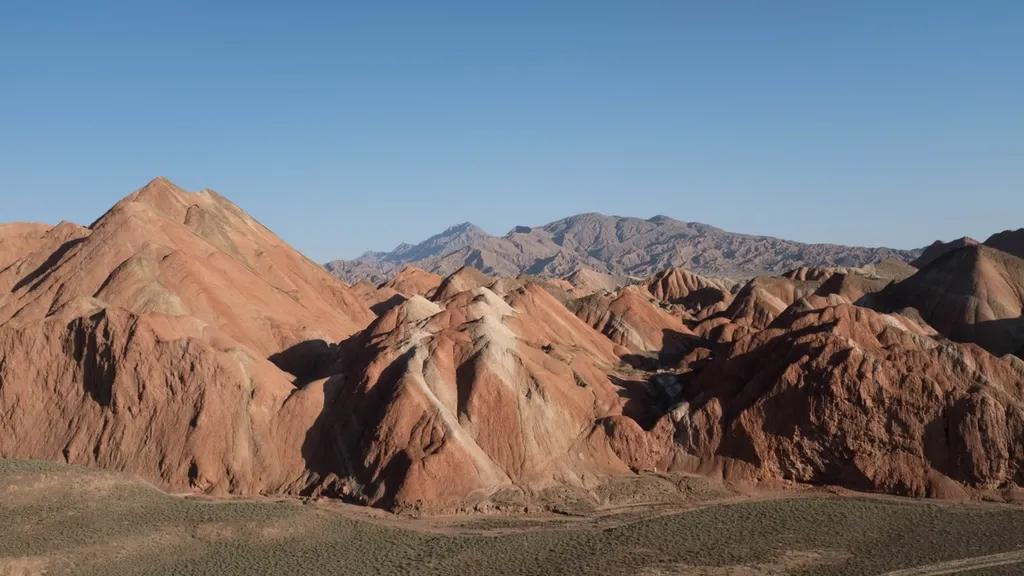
{"x": 962, "y": 565}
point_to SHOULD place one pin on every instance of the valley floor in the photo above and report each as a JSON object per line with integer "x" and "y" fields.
{"x": 59, "y": 519}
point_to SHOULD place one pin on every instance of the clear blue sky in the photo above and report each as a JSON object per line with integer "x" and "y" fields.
{"x": 346, "y": 126}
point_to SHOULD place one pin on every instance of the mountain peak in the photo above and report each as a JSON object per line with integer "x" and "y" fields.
{"x": 161, "y": 248}
{"x": 588, "y": 217}
{"x": 939, "y": 248}
{"x": 1010, "y": 241}
{"x": 616, "y": 245}
{"x": 453, "y": 238}
{"x": 160, "y": 187}
{"x": 464, "y": 227}
{"x": 659, "y": 218}
{"x": 161, "y": 195}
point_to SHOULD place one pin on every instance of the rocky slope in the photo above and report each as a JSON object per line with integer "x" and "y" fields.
{"x": 166, "y": 251}
{"x": 611, "y": 245}
{"x": 178, "y": 339}
{"x": 1009, "y": 241}
{"x": 810, "y": 387}
{"x": 972, "y": 294}
{"x": 939, "y": 248}
{"x": 633, "y": 320}
{"x": 19, "y": 238}
{"x": 142, "y": 341}
{"x": 445, "y": 403}
{"x": 837, "y": 394}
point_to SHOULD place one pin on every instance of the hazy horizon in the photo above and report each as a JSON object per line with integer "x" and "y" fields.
{"x": 352, "y": 129}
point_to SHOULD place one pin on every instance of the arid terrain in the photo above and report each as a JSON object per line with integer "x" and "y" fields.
{"x": 596, "y": 395}
{"x": 65, "y": 519}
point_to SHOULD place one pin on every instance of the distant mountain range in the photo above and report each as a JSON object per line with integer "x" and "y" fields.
{"x": 613, "y": 245}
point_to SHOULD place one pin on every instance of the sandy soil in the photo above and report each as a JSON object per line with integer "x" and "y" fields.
{"x": 59, "y": 519}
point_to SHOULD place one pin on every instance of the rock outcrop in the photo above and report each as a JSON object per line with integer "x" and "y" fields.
{"x": 154, "y": 395}
{"x": 141, "y": 343}
{"x": 19, "y": 238}
{"x": 973, "y": 294}
{"x": 692, "y": 292}
{"x": 632, "y": 319}
{"x": 939, "y": 248}
{"x": 413, "y": 281}
{"x": 446, "y": 403}
{"x": 838, "y": 394}
{"x": 163, "y": 250}
{"x": 1009, "y": 241}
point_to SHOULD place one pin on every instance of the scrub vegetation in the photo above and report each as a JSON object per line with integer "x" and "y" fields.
{"x": 70, "y": 520}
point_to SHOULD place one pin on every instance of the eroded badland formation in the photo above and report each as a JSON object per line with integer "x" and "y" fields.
{"x": 178, "y": 339}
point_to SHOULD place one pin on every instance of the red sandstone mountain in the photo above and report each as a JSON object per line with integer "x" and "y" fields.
{"x": 178, "y": 339}
{"x": 20, "y": 238}
{"x": 680, "y": 286}
{"x": 166, "y": 251}
{"x": 1009, "y": 241}
{"x": 413, "y": 281}
{"x": 141, "y": 343}
{"x": 446, "y": 403}
{"x": 939, "y": 248}
{"x": 762, "y": 299}
{"x": 973, "y": 294}
{"x": 463, "y": 279}
{"x": 844, "y": 395}
{"x": 633, "y": 320}
{"x": 378, "y": 298}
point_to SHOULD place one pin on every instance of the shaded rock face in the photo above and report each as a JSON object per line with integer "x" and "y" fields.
{"x": 762, "y": 299}
{"x": 973, "y": 294}
{"x": 1009, "y": 241}
{"x": 796, "y": 382}
{"x": 754, "y": 306}
{"x": 378, "y": 299}
{"x": 852, "y": 287}
{"x": 693, "y": 292}
{"x": 844, "y": 395}
{"x": 631, "y": 319}
{"x": 465, "y": 278}
{"x": 147, "y": 395}
{"x": 446, "y": 403}
{"x": 610, "y": 245}
{"x": 19, "y": 238}
{"x": 939, "y": 248}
